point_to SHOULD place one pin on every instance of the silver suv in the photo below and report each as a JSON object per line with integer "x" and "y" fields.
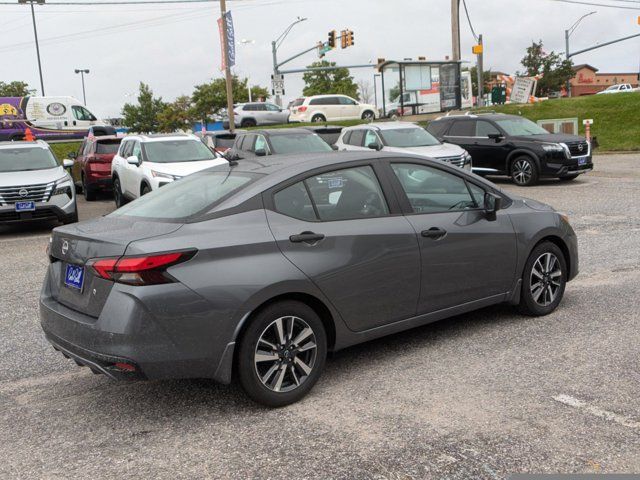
{"x": 33, "y": 186}
{"x": 258, "y": 113}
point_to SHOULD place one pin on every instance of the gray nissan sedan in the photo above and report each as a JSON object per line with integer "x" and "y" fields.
{"x": 259, "y": 268}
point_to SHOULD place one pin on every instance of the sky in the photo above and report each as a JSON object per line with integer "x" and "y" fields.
{"x": 174, "y": 47}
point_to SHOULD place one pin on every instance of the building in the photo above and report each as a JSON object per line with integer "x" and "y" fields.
{"x": 588, "y": 81}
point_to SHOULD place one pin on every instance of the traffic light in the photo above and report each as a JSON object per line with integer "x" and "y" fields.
{"x": 332, "y": 39}
{"x": 343, "y": 39}
{"x": 350, "y": 41}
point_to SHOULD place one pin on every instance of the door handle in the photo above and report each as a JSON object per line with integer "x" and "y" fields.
{"x": 434, "y": 232}
{"x": 306, "y": 237}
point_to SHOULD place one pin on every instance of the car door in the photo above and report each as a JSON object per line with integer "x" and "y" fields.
{"x": 461, "y": 132}
{"x": 130, "y": 173}
{"x": 82, "y": 118}
{"x": 349, "y": 108}
{"x": 332, "y": 108}
{"x": 275, "y": 114}
{"x": 490, "y": 154}
{"x": 466, "y": 254}
{"x": 337, "y": 227}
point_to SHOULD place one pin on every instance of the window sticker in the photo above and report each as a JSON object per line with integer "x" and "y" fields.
{"x": 337, "y": 182}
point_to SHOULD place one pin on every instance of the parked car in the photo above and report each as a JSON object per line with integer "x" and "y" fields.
{"x": 511, "y": 145}
{"x": 92, "y": 166}
{"x": 257, "y": 114}
{"x": 219, "y": 140}
{"x": 48, "y": 118}
{"x": 258, "y": 143}
{"x": 618, "y": 88}
{"x": 328, "y": 133}
{"x": 259, "y": 268}
{"x": 330, "y": 108}
{"x": 147, "y": 162}
{"x": 402, "y": 137}
{"x": 33, "y": 186}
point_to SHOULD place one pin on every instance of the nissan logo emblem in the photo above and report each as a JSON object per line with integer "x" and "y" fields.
{"x": 65, "y": 247}
{"x": 23, "y": 192}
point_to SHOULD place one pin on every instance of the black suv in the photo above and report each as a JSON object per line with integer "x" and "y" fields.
{"x": 502, "y": 144}
{"x": 258, "y": 143}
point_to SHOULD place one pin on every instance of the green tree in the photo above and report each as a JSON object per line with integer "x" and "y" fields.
{"x": 321, "y": 82}
{"x": 555, "y": 71}
{"x": 143, "y": 117}
{"x": 486, "y": 79}
{"x": 15, "y": 89}
{"x": 177, "y": 115}
{"x": 210, "y": 99}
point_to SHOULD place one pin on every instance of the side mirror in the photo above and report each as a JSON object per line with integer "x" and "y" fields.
{"x": 334, "y": 147}
{"x": 492, "y": 203}
{"x": 72, "y": 155}
{"x": 67, "y": 163}
{"x": 496, "y": 136}
{"x": 133, "y": 160}
{"x": 375, "y": 146}
{"x": 261, "y": 152}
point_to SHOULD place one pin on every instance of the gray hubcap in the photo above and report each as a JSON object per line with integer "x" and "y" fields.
{"x": 285, "y": 354}
{"x": 522, "y": 171}
{"x": 546, "y": 279}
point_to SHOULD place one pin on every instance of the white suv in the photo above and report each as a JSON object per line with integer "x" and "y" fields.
{"x": 147, "y": 162}
{"x": 329, "y": 108}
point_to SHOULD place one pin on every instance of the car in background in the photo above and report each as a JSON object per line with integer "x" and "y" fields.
{"x": 329, "y": 133}
{"x": 218, "y": 140}
{"x": 33, "y": 186}
{"x": 147, "y": 162}
{"x": 257, "y": 269}
{"x": 330, "y": 108}
{"x": 92, "y": 166}
{"x": 402, "y": 137}
{"x": 276, "y": 141}
{"x": 619, "y": 88}
{"x": 257, "y": 114}
{"x": 511, "y": 145}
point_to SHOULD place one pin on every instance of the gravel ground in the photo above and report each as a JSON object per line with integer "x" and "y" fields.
{"x": 480, "y": 395}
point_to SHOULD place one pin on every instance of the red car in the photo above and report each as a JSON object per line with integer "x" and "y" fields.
{"x": 93, "y": 164}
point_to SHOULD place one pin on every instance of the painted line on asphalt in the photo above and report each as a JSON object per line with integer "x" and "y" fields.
{"x": 597, "y": 411}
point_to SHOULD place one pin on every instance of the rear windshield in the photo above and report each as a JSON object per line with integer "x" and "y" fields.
{"x": 189, "y": 196}
{"x": 299, "y": 143}
{"x": 224, "y": 141}
{"x": 108, "y": 146}
{"x": 408, "y": 137}
{"x": 171, "y": 151}
{"x": 331, "y": 137}
{"x": 26, "y": 159}
{"x": 297, "y": 102}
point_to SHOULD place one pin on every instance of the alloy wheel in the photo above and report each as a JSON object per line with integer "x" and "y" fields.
{"x": 546, "y": 279}
{"x": 522, "y": 171}
{"x": 285, "y": 354}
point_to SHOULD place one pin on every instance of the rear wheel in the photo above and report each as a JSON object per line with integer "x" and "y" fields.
{"x": 282, "y": 353}
{"x": 317, "y": 118}
{"x": 88, "y": 192}
{"x": 117, "y": 193}
{"x": 568, "y": 178}
{"x": 544, "y": 280}
{"x": 524, "y": 171}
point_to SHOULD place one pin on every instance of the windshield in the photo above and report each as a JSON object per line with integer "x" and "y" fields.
{"x": 170, "y": 151}
{"x": 106, "y": 147}
{"x": 408, "y": 137}
{"x": 25, "y": 159}
{"x": 299, "y": 143}
{"x": 297, "y": 102}
{"x": 186, "y": 197}
{"x": 521, "y": 126}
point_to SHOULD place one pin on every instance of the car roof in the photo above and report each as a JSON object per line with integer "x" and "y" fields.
{"x": 383, "y": 126}
{"x": 22, "y": 144}
{"x": 472, "y": 116}
{"x": 328, "y": 95}
{"x": 157, "y": 137}
{"x": 107, "y": 137}
{"x": 278, "y": 131}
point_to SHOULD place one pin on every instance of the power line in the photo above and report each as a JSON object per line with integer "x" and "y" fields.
{"x": 608, "y": 5}
{"x": 464, "y": 3}
{"x": 127, "y": 2}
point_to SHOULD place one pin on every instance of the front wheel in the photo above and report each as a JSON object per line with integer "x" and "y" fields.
{"x": 282, "y": 354}
{"x": 524, "y": 171}
{"x": 368, "y": 116}
{"x": 544, "y": 280}
{"x": 145, "y": 189}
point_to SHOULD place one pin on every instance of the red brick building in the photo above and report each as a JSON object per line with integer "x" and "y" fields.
{"x": 587, "y": 81}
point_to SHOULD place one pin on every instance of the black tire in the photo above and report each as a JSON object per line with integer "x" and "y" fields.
{"x": 318, "y": 118}
{"x": 88, "y": 192}
{"x": 16, "y": 138}
{"x": 145, "y": 189}
{"x": 568, "y": 178}
{"x": 538, "y": 301}
{"x": 248, "y": 122}
{"x": 368, "y": 115}
{"x": 524, "y": 171}
{"x": 294, "y": 385}
{"x": 118, "y": 197}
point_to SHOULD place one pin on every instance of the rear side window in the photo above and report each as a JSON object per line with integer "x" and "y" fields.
{"x": 437, "y": 128}
{"x": 347, "y": 138}
{"x": 194, "y": 194}
{"x": 462, "y": 128}
{"x": 294, "y": 201}
{"x": 317, "y": 101}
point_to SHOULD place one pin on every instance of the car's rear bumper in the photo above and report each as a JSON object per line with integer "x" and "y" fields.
{"x": 102, "y": 182}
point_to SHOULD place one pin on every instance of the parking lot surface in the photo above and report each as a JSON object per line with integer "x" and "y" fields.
{"x": 480, "y": 395}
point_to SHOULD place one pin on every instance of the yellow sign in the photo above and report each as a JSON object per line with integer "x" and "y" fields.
{"x": 7, "y": 109}
{"x": 476, "y": 49}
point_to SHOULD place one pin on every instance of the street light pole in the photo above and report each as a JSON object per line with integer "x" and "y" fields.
{"x": 275, "y": 44}
{"x": 84, "y": 93}
{"x": 567, "y": 34}
{"x": 35, "y": 33}
{"x": 245, "y": 41}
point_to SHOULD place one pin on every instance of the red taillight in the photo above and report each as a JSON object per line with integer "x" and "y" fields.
{"x": 302, "y": 109}
{"x": 139, "y": 269}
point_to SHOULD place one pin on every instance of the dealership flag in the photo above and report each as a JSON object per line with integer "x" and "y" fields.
{"x": 231, "y": 41}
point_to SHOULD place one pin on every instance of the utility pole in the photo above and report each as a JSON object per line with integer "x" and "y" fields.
{"x": 84, "y": 93}
{"x": 455, "y": 30}
{"x": 227, "y": 68}
{"x": 35, "y": 33}
{"x": 479, "y": 71}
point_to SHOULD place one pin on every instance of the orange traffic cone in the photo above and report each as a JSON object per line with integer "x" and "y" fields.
{"x": 28, "y": 136}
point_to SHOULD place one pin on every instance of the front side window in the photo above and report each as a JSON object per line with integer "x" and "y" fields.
{"x": 26, "y": 159}
{"x": 347, "y": 194}
{"x": 271, "y": 107}
{"x": 171, "y": 151}
{"x": 193, "y": 194}
{"x": 430, "y": 190}
{"x": 294, "y": 201}
{"x": 299, "y": 143}
{"x": 137, "y": 150}
{"x": 521, "y": 126}
{"x": 81, "y": 113}
{"x": 347, "y": 101}
{"x": 125, "y": 149}
{"x": 370, "y": 137}
{"x": 261, "y": 144}
{"x": 408, "y": 138}
{"x": 484, "y": 129}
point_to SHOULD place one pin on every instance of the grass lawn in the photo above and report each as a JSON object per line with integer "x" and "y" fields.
{"x": 62, "y": 150}
{"x": 616, "y": 117}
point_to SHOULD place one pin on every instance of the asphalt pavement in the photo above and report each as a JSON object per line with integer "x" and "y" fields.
{"x": 480, "y": 395}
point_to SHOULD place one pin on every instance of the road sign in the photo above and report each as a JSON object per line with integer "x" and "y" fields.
{"x": 476, "y": 49}
{"x": 587, "y": 121}
{"x": 277, "y": 84}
